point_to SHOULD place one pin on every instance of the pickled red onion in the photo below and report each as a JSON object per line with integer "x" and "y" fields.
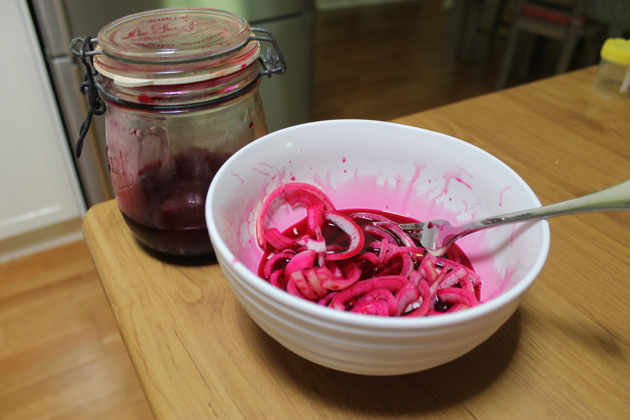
{"x": 387, "y": 275}
{"x": 294, "y": 193}
{"x": 353, "y": 231}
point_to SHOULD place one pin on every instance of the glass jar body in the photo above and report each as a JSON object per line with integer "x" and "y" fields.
{"x": 161, "y": 164}
{"x": 612, "y": 80}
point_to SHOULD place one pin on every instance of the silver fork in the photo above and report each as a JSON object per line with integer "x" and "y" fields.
{"x": 436, "y": 236}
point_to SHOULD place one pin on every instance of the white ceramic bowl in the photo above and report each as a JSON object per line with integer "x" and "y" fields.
{"x": 376, "y": 165}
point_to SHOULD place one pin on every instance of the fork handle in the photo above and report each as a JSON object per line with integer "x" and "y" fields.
{"x": 613, "y": 198}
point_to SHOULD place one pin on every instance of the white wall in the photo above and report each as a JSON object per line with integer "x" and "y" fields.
{"x": 40, "y": 199}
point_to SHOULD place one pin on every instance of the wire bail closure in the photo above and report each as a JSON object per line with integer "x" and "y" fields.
{"x": 273, "y": 63}
{"x": 96, "y": 106}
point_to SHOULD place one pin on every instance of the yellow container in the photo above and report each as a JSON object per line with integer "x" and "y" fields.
{"x": 613, "y": 76}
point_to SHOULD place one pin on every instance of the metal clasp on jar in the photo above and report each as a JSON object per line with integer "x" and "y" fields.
{"x": 274, "y": 61}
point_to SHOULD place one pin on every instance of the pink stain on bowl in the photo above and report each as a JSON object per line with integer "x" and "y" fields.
{"x": 501, "y": 195}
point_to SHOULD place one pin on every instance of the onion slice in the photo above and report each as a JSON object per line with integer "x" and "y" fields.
{"x": 351, "y": 228}
{"x": 294, "y": 193}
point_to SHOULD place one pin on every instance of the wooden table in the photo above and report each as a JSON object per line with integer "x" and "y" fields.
{"x": 564, "y": 354}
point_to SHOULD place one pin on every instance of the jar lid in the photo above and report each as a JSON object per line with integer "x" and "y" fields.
{"x": 174, "y": 46}
{"x": 617, "y": 50}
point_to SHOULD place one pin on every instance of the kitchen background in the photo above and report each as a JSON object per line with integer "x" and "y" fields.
{"x": 376, "y": 59}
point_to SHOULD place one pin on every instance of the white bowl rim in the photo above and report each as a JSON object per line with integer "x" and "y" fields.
{"x": 359, "y": 320}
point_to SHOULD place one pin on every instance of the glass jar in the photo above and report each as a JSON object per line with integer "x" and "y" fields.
{"x": 613, "y": 74}
{"x": 180, "y": 90}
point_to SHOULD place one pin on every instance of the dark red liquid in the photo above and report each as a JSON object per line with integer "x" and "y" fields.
{"x": 335, "y": 236}
{"x": 165, "y": 208}
{"x": 193, "y": 242}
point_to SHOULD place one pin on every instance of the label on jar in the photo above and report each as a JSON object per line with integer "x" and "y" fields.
{"x": 625, "y": 85}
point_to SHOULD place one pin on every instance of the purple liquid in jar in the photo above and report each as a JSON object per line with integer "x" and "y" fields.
{"x": 165, "y": 208}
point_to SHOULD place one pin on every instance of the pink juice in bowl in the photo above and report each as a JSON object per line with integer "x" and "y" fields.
{"x": 359, "y": 260}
